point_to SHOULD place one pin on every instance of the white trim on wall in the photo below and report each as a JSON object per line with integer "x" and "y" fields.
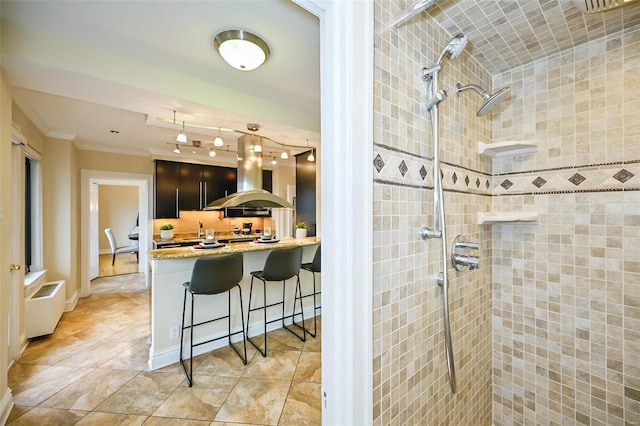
{"x": 346, "y": 58}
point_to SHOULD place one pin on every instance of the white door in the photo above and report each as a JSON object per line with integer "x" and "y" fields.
{"x": 94, "y": 237}
{"x": 16, "y": 294}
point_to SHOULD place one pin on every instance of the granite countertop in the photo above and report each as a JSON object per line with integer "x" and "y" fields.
{"x": 192, "y": 238}
{"x": 188, "y": 252}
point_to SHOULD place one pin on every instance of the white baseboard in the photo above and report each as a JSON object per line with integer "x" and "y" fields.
{"x": 172, "y": 355}
{"x": 6, "y": 404}
{"x": 70, "y": 304}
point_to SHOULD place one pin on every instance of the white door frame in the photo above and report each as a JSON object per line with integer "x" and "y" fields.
{"x": 346, "y": 75}
{"x": 144, "y": 182}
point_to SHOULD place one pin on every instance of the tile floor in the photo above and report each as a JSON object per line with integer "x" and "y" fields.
{"x": 93, "y": 370}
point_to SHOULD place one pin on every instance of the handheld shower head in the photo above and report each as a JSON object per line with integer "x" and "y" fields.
{"x": 454, "y": 48}
{"x": 491, "y": 99}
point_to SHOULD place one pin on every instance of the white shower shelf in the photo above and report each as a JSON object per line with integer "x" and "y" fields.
{"x": 507, "y": 148}
{"x": 489, "y": 218}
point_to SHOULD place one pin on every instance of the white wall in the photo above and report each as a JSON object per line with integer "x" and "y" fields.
{"x": 118, "y": 209}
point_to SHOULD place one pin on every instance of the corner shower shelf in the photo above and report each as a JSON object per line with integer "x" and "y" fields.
{"x": 489, "y": 218}
{"x": 507, "y": 148}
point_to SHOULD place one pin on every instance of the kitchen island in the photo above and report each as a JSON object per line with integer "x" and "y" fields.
{"x": 171, "y": 267}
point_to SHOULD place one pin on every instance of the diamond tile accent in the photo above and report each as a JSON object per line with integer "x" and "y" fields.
{"x": 577, "y": 179}
{"x": 378, "y": 163}
{"x": 454, "y": 178}
{"x": 506, "y": 184}
{"x": 538, "y": 182}
{"x": 478, "y": 183}
{"x": 466, "y": 180}
{"x": 423, "y": 172}
{"x": 623, "y": 175}
{"x": 403, "y": 168}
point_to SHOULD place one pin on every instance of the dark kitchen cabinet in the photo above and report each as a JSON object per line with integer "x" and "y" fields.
{"x": 306, "y": 191}
{"x": 167, "y": 183}
{"x": 186, "y": 186}
{"x": 267, "y": 180}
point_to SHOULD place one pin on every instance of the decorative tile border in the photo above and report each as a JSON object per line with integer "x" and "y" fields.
{"x": 623, "y": 176}
{"x": 396, "y": 167}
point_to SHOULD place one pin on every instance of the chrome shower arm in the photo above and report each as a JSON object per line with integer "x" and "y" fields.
{"x": 461, "y": 88}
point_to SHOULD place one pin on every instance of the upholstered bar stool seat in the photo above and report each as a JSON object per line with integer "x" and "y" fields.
{"x": 210, "y": 276}
{"x": 313, "y": 267}
{"x": 280, "y": 265}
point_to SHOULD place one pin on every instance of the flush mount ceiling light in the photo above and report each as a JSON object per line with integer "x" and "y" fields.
{"x": 241, "y": 49}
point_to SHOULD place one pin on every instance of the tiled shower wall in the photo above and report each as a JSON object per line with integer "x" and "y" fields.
{"x": 566, "y": 292}
{"x": 410, "y": 375}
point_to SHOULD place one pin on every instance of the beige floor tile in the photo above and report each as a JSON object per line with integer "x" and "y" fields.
{"x": 278, "y": 365}
{"x": 142, "y": 395}
{"x": 43, "y": 384}
{"x": 224, "y": 362}
{"x": 17, "y": 411}
{"x": 303, "y": 405}
{"x": 52, "y": 351}
{"x": 200, "y": 402}
{"x": 165, "y": 421}
{"x": 48, "y": 417}
{"x": 95, "y": 355}
{"x": 88, "y": 392}
{"x": 281, "y": 340}
{"x": 254, "y": 401}
{"x": 112, "y": 419}
{"x": 309, "y": 367}
{"x": 134, "y": 356}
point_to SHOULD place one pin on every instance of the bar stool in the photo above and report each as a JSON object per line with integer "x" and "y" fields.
{"x": 213, "y": 275}
{"x": 312, "y": 267}
{"x": 280, "y": 265}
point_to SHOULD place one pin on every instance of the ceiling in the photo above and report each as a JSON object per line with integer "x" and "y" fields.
{"x": 82, "y": 69}
{"x": 504, "y": 34}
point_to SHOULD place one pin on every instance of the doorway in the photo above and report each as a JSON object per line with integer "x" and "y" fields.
{"x": 91, "y": 180}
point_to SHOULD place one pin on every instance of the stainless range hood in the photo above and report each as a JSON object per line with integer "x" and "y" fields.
{"x": 250, "y": 193}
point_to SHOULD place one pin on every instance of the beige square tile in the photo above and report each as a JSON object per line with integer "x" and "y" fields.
{"x": 143, "y": 394}
{"x": 309, "y": 367}
{"x": 89, "y": 391}
{"x": 199, "y": 402}
{"x": 255, "y": 401}
{"x": 303, "y": 405}
{"x": 109, "y": 419}
{"x": 278, "y": 365}
{"x": 49, "y": 417}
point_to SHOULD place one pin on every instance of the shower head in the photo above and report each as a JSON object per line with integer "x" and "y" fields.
{"x": 417, "y": 7}
{"x": 491, "y": 99}
{"x": 454, "y": 48}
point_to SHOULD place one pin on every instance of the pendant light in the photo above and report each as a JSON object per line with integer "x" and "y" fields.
{"x": 182, "y": 138}
{"x": 284, "y": 154}
{"x": 218, "y": 140}
{"x": 177, "y": 150}
{"x": 212, "y": 153}
{"x": 311, "y": 157}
